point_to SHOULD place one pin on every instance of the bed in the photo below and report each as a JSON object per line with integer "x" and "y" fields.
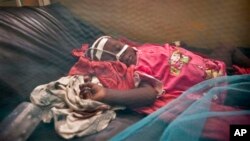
{"x": 35, "y": 48}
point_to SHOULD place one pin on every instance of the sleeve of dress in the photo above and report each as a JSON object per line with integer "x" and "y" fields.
{"x": 78, "y": 52}
{"x": 144, "y": 75}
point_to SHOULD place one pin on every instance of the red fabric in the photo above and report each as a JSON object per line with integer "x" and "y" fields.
{"x": 114, "y": 75}
{"x": 80, "y": 51}
{"x": 240, "y": 70}
{"x": 178, "y": 69}
{"x": 154, "y": 60}
{"x": 217, "y": 128}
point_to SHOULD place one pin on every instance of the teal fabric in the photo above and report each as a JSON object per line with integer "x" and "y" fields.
{"x": 204, "y": 112}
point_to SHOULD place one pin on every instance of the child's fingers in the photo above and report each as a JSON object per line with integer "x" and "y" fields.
{"x": 87, "y": 79}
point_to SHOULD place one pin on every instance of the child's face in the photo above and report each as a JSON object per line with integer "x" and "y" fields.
{"x": 113, "y": 47}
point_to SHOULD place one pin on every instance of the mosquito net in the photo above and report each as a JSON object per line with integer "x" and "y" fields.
{"x": 204, "y": 112}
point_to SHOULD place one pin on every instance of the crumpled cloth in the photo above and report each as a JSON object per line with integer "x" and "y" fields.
{"x": 72, "y": 115}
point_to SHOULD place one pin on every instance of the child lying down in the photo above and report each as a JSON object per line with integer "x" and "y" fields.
{"x": 165, "y": 71}
{"x": 71, "y": 99}
{"x": 144, "y": 78}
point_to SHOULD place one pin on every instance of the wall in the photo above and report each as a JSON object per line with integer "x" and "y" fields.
{"x": 201, "y": 23}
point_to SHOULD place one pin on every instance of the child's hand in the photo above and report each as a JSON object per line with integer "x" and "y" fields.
{"x": 92, "y": 91}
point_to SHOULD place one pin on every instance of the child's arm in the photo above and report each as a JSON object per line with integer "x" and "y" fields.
{"x": 145, "y": 95}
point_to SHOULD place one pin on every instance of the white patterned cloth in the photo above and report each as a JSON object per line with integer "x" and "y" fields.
{"x": 72, "y": 115}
